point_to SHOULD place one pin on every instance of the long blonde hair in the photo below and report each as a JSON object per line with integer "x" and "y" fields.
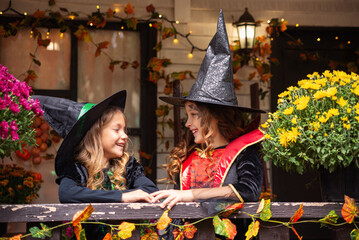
{"x": 230, "y": 126}
{"x": 90, "y": 154}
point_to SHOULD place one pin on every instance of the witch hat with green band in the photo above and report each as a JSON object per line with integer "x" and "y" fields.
{"x": 214, "y": 83}
{"x": 72, "y": 120}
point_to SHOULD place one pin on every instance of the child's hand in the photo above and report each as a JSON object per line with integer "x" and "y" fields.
{"x": 136, "y": 196}
{"x": 172, "y": 197}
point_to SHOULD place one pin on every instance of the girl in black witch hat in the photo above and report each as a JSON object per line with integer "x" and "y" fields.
{"x": 92, "y": 163}
{"x": 92, "y": 158}
{"x": 218, "y": 157}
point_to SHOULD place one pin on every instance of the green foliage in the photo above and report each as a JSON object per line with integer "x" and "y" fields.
{"x": 316, "y": 124}
{"x": 41, "y": 233}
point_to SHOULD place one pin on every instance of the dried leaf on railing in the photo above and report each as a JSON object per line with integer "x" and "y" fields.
{"x": 164, "y": 220}
{"x": 151, "y": 235}
{"x": 298, "y": 214}
{"x": 83, "y": 215}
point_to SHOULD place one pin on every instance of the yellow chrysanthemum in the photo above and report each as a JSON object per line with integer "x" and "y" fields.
{"x": 331, "y": 91}
{"x": 265, "y": 125}
{"x": 333, "y": 112}
{"x": 314, "y": 75}
{"x": 344, "y": 119}
{"x": 302, "y": 102}
{"x": 356, "y": 90}
{"x": 319, "y": 94}
{"x": 342, "y": 102}
{"x": 357, "y": 118}
{"x": 349, "y": 110}
{"x": 347, "y": 126}
{"x": 323, "y": 119}
{"x": 292, "y": 135}
{"x": 283, "y": 138}
{"x": 284, "y": 94}
{"x": 327, "y": 74}
{"x": 321, "y": 81}
{"x": 356, "y": 106}
{"x": 315, "y": 125}
{"x": 294, "y": 120}
{"x": 267, "y": 136}
{"x": 288, "y": 111}
{"x": 332, "y": 125}
{"x": 325, "y": 135}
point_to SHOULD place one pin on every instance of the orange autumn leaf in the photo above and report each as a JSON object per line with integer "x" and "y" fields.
{"x": 298, "y": 214}
{"x": 224, "y": 227}
{"x": 110, "y": 13}
{"x": 189, "y": 230}
{"x": 252, "y": 231}
{"x": 17, "y": 237}
{"x": 124, "y": 65}
{"x": 252, "y": 75}
{"x": 349, "y": 210}
{"x": 144, "y": 154}
{"x": 39, "y": 14}
{"x": 125, "y": 230}
{"x": 164, "y": 220}
{"x": 103, "y": 44}
{"x": 232, "y": 209}
{"x": 129, "y": 9}
{"x": 79, "y": 231}
{"x": 295, "y": 232}
{"x": 135, "y": 64}
{"x": 83, "y": 215}
{"x": 283, "y": 26}
{"x": 237, "y": 84}
{"x": 178, "y": 234}
{"x": 150, "y": 236}
{"x": 107, "y": 237}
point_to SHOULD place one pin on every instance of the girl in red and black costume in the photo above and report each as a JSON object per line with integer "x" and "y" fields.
{"x": 218, "y": 156}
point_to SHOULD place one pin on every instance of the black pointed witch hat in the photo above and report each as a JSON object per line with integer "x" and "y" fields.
{"x": 214, "y": 83}
{"x": 72, "y": 120}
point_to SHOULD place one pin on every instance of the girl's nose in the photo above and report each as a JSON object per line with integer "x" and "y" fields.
{"x": 187, "y": 124}
{"x": 124, "y": 136}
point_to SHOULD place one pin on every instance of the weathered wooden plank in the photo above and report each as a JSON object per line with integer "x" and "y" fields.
{"x": 137, "y": 211}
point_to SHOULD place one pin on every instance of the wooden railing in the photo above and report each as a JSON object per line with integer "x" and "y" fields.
{"x": 133, "y": 212}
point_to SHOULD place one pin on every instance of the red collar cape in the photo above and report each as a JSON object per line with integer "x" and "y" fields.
{"x": 232, "y": 150}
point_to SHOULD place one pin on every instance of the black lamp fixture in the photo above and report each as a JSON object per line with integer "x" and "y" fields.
{"x": 246, "y": 29}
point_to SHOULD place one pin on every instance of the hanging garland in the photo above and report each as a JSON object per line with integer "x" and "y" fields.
{"x": 222, "y": 224}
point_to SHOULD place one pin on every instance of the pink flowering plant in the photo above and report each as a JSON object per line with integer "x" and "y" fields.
{"x": 17, "y": 111}
{"x": 316, "y": 124}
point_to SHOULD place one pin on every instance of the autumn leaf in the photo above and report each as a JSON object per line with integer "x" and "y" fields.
{"x": 150, "y": 8}
{"x": 283, "y": 26}
{"x": 83, "y": 34}
{"x": 354, "y": 235}
{"x": 144, "y": 154}
{"x": 168, "y": 32}
{"x": 151, "y": 235}
{"x": 162, "y": 110}
{"x": 231, "y": 209}
{"x": 83, "y": 215}
{"x": 124, "y": 65}
{"x": 107, "y": 236}
{"x": 252, "y": 231}
{"x": 43, "y": 42}
{"x": 224, "y": 227}
{"x": 252, "y": 75}
{"x": 168, "y": 89}
{"x": 164, "y": 220}
{"x": 135, "y": 64}
{"x": 349, "y": 210}
{"x": 112, "y": 65}
{"x": 110, "y": 13}
{"x": 51, "y": 3}
{"x": 16, "y": 237}
{"x": 125, "y": 230}
{"x": 189, "y": 230}
{"x": 31, "y": 76}
{"x": 80, "y": 233}
{"x": 298, "y": 214}
{"x": 158, "y": 46}
{"x": 40, "y": 233}
{"x": 295, "y": 232}
{"x": 153, "y": 76}
{"x": 157, "y": 25}
{"x": 132, "y": 23}
{"x": 331, "y": 217}
{"x": 178, "y": 234}
{"x": 237, "y": 84}
{"x": 39, "y": 14}
{"x": 129, "y": 9}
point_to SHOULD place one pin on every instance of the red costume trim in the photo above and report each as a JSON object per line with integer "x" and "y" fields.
{"x": 232, "y": 150}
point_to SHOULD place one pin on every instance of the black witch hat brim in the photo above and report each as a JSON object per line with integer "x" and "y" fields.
{"x": 64, "y": 161}
{"x": 180, "y": 101}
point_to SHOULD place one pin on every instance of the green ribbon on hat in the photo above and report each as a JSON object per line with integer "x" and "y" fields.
{"x": 84, "y": 109}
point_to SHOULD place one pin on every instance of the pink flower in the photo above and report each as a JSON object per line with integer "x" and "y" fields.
{"x": 24, "y": 103}
{"x": 69, "y": 231}
{"x": 13, "y": 125}
{"x": 4, "y": 129}
{"x": 36, "y": 107}
{"x": 13, "y": 130}
{"x": 14, "y": 108}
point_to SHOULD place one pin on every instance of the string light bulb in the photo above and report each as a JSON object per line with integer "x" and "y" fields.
{"x": 122, "y": 27}
{"x": 349, "y": 42}
{"x": 318, "y": 39}
{"x": 282, "y": 20}
{"x": 297, "y": 25}
{"x": 0, "y": 12}
{"x": 175, "y": 40}
{"x": 150, "y": 24}
{"x": 268, "y": 21}
{"x": 98, "y": 7}
{"x": 177, "y": 22}
{"x": 117, "y": 10}
{"x": 61, "y": 35}
{"x": 91, "y": 24}
{"x": 72, "y": 17}
{"x": 160, "y": 16}
{"x": 336, "y": 38}
{"x": 25, "y": 13}
{"x": 190, "y": 55}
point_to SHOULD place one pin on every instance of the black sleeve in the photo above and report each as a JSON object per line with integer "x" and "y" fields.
{"x": 246, "y": 174}
{"x": 71, "y": 192}
{"x": 136, "y": 179}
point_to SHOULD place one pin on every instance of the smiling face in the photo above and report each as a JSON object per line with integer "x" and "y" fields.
{"x": 193, "y": 122}
{"x": 113, "y": 136}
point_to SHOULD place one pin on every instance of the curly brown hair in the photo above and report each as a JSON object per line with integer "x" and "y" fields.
{"x": 230, "y": 123}
{"x": 90, "y": 154}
